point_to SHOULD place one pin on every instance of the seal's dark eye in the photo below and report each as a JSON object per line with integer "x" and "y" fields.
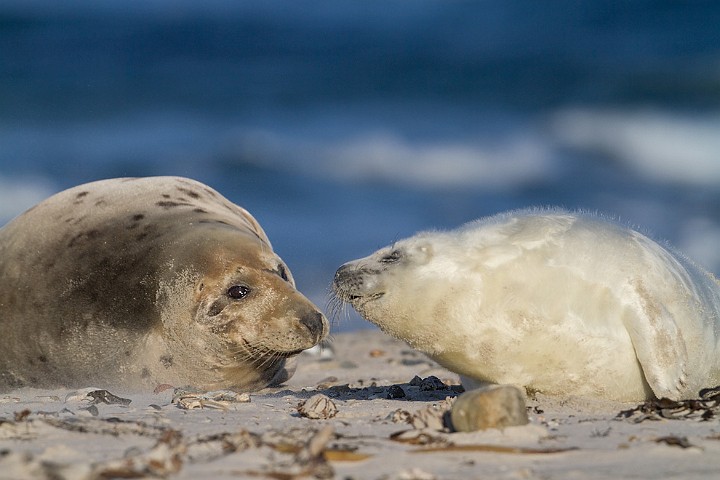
{"x": 391, "y": 257}
{"x": 238, "y": 291}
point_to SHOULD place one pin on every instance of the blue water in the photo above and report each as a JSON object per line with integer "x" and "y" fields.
{"x": 345, "y": 125}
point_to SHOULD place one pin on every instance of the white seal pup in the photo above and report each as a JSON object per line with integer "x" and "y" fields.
{"x": 136, "y": 282}
{"x": 561, "y": 303}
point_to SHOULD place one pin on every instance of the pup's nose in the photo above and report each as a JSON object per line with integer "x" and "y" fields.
{"x": 341, "y": 274}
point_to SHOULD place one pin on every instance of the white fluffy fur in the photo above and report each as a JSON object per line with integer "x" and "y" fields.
{"x": 563, "y": 303}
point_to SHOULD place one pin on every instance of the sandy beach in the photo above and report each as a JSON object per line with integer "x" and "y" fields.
{"x": 376, "y": 396}
{"x": 344, "y": 127}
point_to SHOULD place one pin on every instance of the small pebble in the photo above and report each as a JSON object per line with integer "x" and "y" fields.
{"x": 395, "y": 391}
{"x": 22, "y": 415}
{"x": 432, "y": 383}
{"x": 494, "y": 406}
{"x": 162, "y": 387}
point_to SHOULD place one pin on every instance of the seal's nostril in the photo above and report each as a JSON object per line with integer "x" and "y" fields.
{"x": 338, "y": 274}
{"x": 342, "y": 273}
{"x": 315, "y": 323}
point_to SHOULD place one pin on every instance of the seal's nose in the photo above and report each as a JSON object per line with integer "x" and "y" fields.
{"x": 341, "y": 274}
{"x": 316, "y": 323}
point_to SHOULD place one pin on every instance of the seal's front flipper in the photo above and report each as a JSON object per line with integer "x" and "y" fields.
{"x": 659, "y": 345}
{"x": 284, "y": 373}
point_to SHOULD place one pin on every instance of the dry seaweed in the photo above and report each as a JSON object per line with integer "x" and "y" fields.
{"x": 704, "y": 408}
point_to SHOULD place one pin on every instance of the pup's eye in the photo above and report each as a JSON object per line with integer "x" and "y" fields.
{"x": 391, "y": 257}
{"x": 238, "y": 291}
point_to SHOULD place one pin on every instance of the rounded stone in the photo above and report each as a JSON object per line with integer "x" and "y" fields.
{"x": 494, "y": 406}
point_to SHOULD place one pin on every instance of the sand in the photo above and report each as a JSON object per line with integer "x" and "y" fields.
{"x": 61, "y": 434}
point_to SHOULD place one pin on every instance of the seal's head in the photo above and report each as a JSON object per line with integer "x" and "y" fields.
{"x": 246, "y": 316}
{"x": 398, "y": 287}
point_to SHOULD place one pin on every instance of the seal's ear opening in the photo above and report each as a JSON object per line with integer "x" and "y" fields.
{"x": 423, "y": 253}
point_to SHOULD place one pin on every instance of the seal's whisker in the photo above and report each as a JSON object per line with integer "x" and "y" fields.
{"x": 258, "y": 355}
{"x": 336, "y": 308}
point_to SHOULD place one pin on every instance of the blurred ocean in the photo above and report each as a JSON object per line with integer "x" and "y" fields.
{"x": 344, "y": 125}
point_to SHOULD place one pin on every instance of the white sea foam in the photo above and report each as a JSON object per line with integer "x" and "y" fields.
{"x": 164, "y": 141}
{"x": 388, "y": 157}
{"x": 19, "y": 194}
{"x": 664, "y": 146}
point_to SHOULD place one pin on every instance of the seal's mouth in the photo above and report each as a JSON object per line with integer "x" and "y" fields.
{"x": 287, "y": 354}
{"x": 261, "y": 353}
{"x": 354, "y": 284}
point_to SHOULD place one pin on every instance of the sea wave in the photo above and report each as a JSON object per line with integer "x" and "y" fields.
{"x": 166, "y": 142}
{"x": 664, "y": 146}
{"x": 387, "y": 157}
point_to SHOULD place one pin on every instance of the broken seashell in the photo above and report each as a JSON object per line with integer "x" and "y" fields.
{"x": 318, "y": 406}
{"x": 221, "y": 399}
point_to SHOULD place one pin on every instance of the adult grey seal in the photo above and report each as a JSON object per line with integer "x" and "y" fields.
{"x": 134, "y": 282}
{"x": 562, "y": 303}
